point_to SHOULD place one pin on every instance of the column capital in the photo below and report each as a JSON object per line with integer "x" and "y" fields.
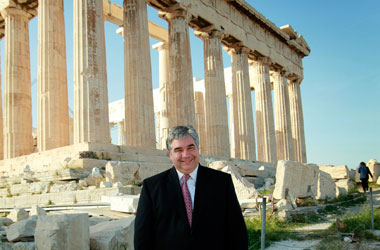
{"x": 209, "y": 32}
{"x": 294, "y": 78}
{"x": 237, "y": 48}
{"x": 285, "y": 73}
{"x": 161, "y": 46}
{"x": 263, "y": 60}
{"x": 9, "y": 11}
{"x": 275, "y": 72}
{"x": 280, "y": 70}
{"x": 175, "y": 11}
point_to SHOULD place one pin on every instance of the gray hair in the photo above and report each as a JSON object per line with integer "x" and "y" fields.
{"x": 179, "y": 132}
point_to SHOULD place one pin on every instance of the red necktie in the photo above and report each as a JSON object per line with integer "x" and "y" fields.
{"x": 187, "y": 198}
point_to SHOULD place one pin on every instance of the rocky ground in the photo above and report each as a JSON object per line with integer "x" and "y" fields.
{"x": 335, "y": 242}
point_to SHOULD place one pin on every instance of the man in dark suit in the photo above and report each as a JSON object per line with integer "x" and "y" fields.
{"x": 189, "y": 207}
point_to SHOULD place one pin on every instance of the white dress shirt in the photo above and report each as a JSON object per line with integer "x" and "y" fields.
{"x": 190, "y": 183}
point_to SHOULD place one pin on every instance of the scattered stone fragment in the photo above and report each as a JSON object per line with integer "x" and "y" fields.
{"x": 21, "y": 229}
{"x": 284, "y": 204}
{"x": 125, "y": 203}
{"x": 105, "y": 184}
{"x": 326, "y": 186}
{"x": 95, "y": 171}
{"x": 243, "y": 188}
{"x": 5, "y": 221}
{"x": 63, "y": 231}
{"x": 23, "y": 246}
{"x": 117, "y": 234}
{"x": 18, "y": 214}
{"x": 118, "y": 184}
{"x": 58, "y": 188}
{"x": 347, "y": 184}
{"x": 297, "y": 178}
{"x": 37, "y": 211}
{"x": 336, "y": 172}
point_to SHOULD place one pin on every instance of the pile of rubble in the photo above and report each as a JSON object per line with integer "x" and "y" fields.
{"x": 38, "y": 230}
{"x": 297, "y": 180}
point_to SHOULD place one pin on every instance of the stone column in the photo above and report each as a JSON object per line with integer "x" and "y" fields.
{"x": 52, "y": 99}
{"x": 284, "y": 141}
{"x": 215, "y": 95}
{"x": 200, "y": 120}
{"x": 266, "y": 142}
{"x": 296, "y": 117}
{"x": 180, "y": 93}
{"x": 1, "y": 123}
{"x": 121, "y": 133}
{"x": 231, "y": 127}
{"x": 163, "y": 54}
{"x": 90, "y": 73}
{"x": 139, "y": 110}
{"x": 241, "y": 104}
{"x": 18, "y": 138}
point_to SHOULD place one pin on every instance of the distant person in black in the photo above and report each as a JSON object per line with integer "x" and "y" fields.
{"x": 364, "y": 172}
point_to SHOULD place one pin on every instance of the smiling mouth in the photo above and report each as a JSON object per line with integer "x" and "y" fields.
{"x": 188, "y": 161}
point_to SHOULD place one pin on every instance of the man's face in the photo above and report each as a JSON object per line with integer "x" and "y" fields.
{"x": 184, "y": 154}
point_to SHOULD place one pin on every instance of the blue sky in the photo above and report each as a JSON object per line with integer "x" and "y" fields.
{"x": 341, "y": 86}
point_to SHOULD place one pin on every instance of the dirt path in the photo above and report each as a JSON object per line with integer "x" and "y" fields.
{"x": 313, "y": 244}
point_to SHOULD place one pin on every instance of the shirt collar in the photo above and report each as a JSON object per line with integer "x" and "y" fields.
{"x": 193, "y": 174}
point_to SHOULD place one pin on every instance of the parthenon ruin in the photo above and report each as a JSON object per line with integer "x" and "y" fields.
{"x": 264, "y": 57}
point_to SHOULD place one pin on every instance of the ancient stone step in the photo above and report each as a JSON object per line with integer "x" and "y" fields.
{"x": 88, "y": 196}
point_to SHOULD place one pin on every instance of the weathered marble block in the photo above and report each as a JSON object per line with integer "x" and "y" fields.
{"x": 326, "y": 186}
{"x": 347, "y": 184}
{"x": 296, "y": 177}
{"x": 124, "y": 203}
{"x": 117, "y": 234}
{"x": 374, "y": 167}
{"x": 63, "y": 231}
{"x": 336, "y": 172}
{"x": 18, "y": 214}
{"x": 243, "y": 188}
{"x": 21, "y": 229}
{"x": 133, "y": 172}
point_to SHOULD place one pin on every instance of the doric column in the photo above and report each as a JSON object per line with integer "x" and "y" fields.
{"x": 139, "y": 110}
{"x": 284, "y": 141}
{"x": 200, "y": 120}
{"x": 18, "y": 138}
{"x": 121, "y": 133}
{"x": 163, "y": 55}
{"x": 241, "y": 103}
{"x": 52, "y": 99}
{"x": 266, "y": 142}
{"x": 231, "y": 130}
{"x": 296, "y": 117}
{"x": 215, "y": 95}
{"x": 90, "y": 73}
{"x": 180, "y": 91}
{"x": 1, "y": 124}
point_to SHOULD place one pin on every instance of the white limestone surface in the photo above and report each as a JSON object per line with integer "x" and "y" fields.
{"x": 347, "y": 184}
{"x": 243, "y": 188}
{"x": 336, "y": 172}
{"x": 124, "y": 203}
{"x": 297, "y": 178}
{"x": 21, "y": 229}
{"x": 63, "y": 231}
{"x": 117, "y": 234}
{"x": 326, "y": 186}
{"x": 36, "y": 211}
{"x": 18, "y": 214}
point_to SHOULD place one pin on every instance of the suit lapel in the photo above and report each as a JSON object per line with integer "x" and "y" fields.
{"x": 175, "y": 188}
{"x": 199, "y": 195}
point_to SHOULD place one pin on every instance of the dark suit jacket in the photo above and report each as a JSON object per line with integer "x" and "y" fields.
{"x": 161, "y": 220}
